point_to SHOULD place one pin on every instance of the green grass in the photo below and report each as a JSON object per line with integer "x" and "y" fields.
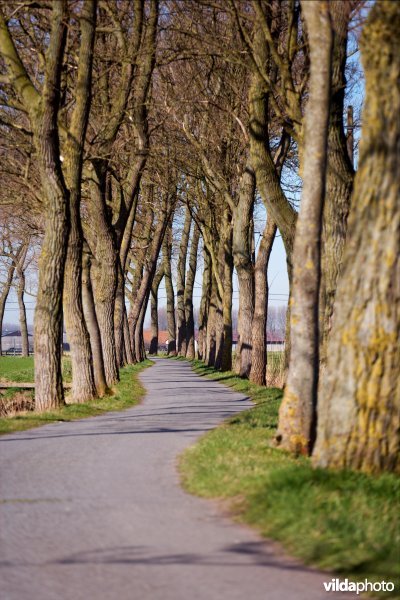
{"x": 20, "y": 368}
{"x": 346, "y": 522}
{"x": 128, "y": 392}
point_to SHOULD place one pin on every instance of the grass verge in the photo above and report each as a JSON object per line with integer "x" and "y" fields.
{"x": 128, "y": 392}
{"x": 345, "y": 522}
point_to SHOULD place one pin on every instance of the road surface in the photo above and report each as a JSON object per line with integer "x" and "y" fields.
{"x": 93, "y": 510}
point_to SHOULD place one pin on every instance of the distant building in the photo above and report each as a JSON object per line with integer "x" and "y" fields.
{"x": 275, "y": 343}
{"x": 11, "y": 342}
{"x": 162, "y": 339}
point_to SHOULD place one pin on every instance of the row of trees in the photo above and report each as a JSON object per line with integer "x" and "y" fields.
{"x": 126, "y": 124}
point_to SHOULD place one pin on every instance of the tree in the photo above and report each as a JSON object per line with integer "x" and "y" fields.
{"x": 297, "y": 411}
{"x": 188, "y": 297}
{"x": 83, "y": 383}
{"x": 180, "y": 286}
{"x": 43, "y": 109}
{"x": 359, "y": 400}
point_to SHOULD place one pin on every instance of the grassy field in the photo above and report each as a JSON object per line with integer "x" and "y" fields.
{"x": 19, "y": 368}
{"x": 346, "y": 522}
{"x": 128, "y": 392}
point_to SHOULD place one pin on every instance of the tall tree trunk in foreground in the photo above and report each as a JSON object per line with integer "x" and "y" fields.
{"x": 339, "y": 179}
{"x": 259, "y": 325}
{"x": 42, "y": 110}
{"x": 359, "y": 403}
{"x": 83, "y": 386}
{"x": 297, "y": 411}
{"x": 180, "y": 286}
{"x": 190, "y": 279}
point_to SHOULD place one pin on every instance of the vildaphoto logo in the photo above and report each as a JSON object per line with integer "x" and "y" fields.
{"x": 335, "y": 585}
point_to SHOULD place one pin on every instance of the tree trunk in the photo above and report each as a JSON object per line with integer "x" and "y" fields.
{"x": 296, "y": 427}
{"x": 103, "y": 272}
{"x": 259, "y": 325}
{"x": 204, "y": 305}
{"x": 242, "y": 256}
{"x": 154, "y": 310}
{"x": 139, "y": 306}
{"x": 359, "y": 403}
{"x": 4, "y": 295}
{"x": 226, "y": 358}
{"x": 89, "y": 312}
{"x": 43, "y": 114}
{"x": 340, "y": 174}
{"x": 83, "y": 386}
{"x": 169, "y": 289}
{"x": 190, "y": 279}
{"x": 21, "y": 304}
{"x": 119, "y": 316}
{"x": 140, "y": 353}
{"x": 267, "y": 176}
{"x": 180, "y": 286}
{"x": 211, "y": 343}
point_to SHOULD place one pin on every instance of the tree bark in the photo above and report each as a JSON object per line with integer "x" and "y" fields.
{"x": 103, "y": 271}
{"x": 180, "y": 286}
{"x": 83, "y": 385}
{"x": 139, "y": 306}
{"x": 259, "y": 324}
{"x": 211, "y": 341}
{"x": 89, "y": 312}
{"x": 267, "y": 177}
{"x": 21, "y": 303}
{"x": 359, "y": 402}
{"x": 4, "y": 293}
{"x": 296, "y": 428}
{"x": 340, "y": 175}
{"x": 242, "y": 257}
{"x": 204, "y": 305}
{"x": 154, "y": 310}
{"x": 169, "y": 289}
{"x": 190, "y": 279}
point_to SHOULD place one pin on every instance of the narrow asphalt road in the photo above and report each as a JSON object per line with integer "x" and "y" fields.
{"x": 93, "y": 510}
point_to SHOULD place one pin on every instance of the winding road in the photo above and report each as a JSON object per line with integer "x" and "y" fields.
{"x": 93, "y": 510}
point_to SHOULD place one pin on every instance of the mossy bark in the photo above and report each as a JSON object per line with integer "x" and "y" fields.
{"x": 359, "y": 399}
{"x": 297, "y": 411}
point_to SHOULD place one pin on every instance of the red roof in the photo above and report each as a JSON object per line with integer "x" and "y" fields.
{"x": 162, "y": 336}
